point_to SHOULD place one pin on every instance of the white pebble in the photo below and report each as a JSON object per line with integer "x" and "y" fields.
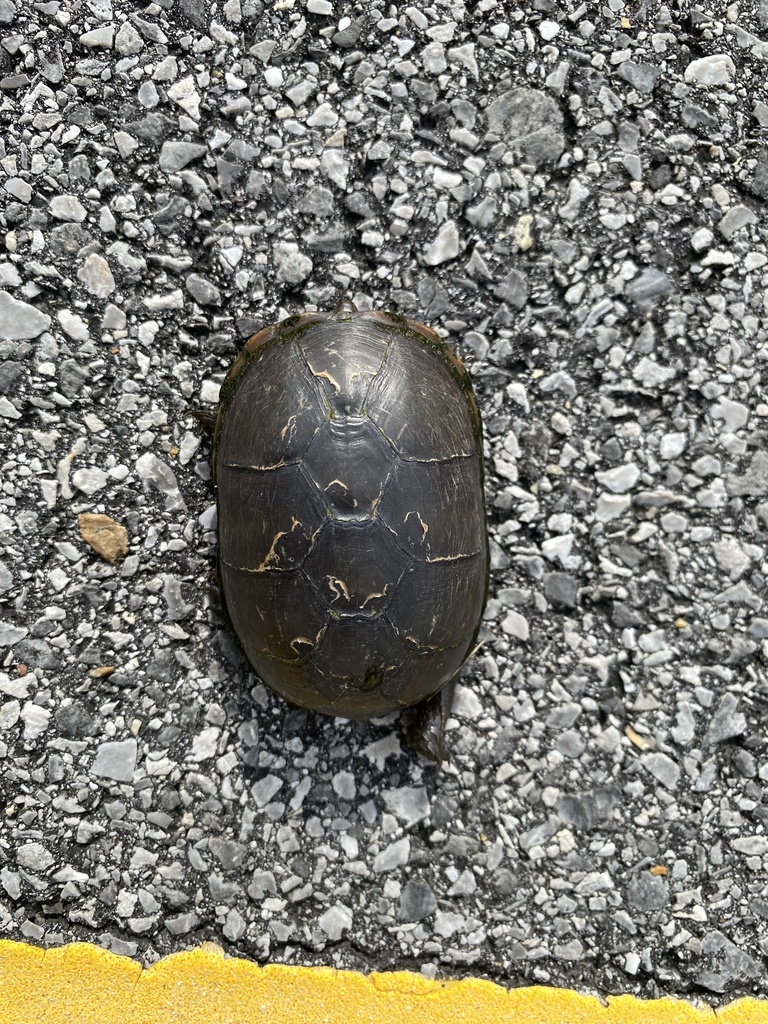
{"x": 445, "y": 245}
{"x": 717, "y": 69}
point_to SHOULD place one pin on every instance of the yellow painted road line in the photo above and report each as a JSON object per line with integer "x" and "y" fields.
{"x": 84, "y": 984}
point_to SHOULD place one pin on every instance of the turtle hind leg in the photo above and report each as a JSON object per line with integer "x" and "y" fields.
{"x": 427, "y": 734}
{"x": 206, "y": 420}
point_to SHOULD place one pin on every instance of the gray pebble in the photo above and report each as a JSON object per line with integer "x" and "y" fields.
{"x": 727, "y": 963}
{"x": 266, "y": 788}
{"x": 417, "y": 900}
{"x": 174, "y": 156}
{"x": 702, "y": 239}
{"x": 734, "y": 220}
{"x": 11, "y": 882}
{"x": 433, "y": 58}
{"x": 74, "y": 722}
{"x": 464, "y": 885}
{"x": 513, "y": 289}
{"x": 504, "y": 881}
{"x": 393, "y": 856}
{"x": 335, "y": 167}
{"x": 116, "y": 760}
{"x": 99, "y": 38}
{"x": 733, "y": 414}
{"x": 662, "y": 768}
{"x": 34, "y": 857}
{"x": 19, "y": 319}
{"x": 128, "y": 41}
{"x": 293, "y": 267}
{"x": 90, "y": 480}
{"x": 651, "y": 374}
{"x": 684, "y": 731}
{"x": 642, "y": 77}
{"x": 316, "y": 201}
{"x": 707, "y": 72}
{"x": 754, "y": 481}
{"x": 178, "y": 608}
{"x": 571, "y": 950}
{"x": 203, "y": 290}
{"x": 230, "y": 854}
{"x": 182, "y": 924}
{"x": 408, "y": 803}
{"x": 18, "y": 188}
{"x": 335, "y": 921}
{"x": 561, "y": 589}
{"x": 445, "y": 245}
{"x": 148, "y": 95}
{"x": 235, "y": 925}
{"x": 647, "y": 892}
{"x": 570, "y": 743}
{"x": 620, "y": 479}
{"x": 531, "y": 122}
{"x": 10, "y": 634}
{"x": 482, "y": 214}
{"x": 537, "y": 835}
{"x": 96, "y": 275}
{"x": 68, "y": 208}
{"x": 156, "y": 474}
{"x": 727, "y": 723}
{"x": 586, "y": 810}
{"x": 649, "y": 286}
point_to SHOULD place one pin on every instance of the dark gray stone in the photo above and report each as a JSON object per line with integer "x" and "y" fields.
{"x": 649, "y": 286}
{"x": 202, "y": 290}
{"x": 195, "y": 12}
{"x": 513, "y": 289}
{"x": 317, "y": 201}
{"x": 7, "y": 12}
{"x": 504, "y": 881}
{"x": 349, "y": 36}
{"x": 229, "y": 853}
{"x": 642, "y": 77}
{"x": 74, "y": 722}
{"x": 530, "y": 122}
{"x": 727, "y": 723}
{"x": 759, "y": 184}
{"x": 68, "y": 239}
{"x": 728, "y": 965}
{"x": 626, "y": 616}
{"x": 228, "y": 175}
{"x": 754, "y": 481}
{"x": 561, "y": 589}
{"x": 647, "y": 892}
{"x": 152, "y": 129}
{"x": 417, "y": 900}
{"x": 10, "y": 371}
{"x": 585, "y": 810}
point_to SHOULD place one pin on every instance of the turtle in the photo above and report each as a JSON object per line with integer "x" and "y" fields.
{"x": 352, "y": 539}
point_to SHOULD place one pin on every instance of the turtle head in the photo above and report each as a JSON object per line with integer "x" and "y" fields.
{"x": 343, "y": 307}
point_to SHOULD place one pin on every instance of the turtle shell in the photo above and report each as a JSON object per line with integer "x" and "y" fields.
{"x": 353, "y": 550}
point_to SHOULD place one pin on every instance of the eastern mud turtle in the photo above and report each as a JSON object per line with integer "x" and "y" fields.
{"x": 353, "y": 550}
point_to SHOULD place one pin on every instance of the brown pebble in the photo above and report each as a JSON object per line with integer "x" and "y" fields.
{"x": 640, "y": 741}
{"x": 107, "y": 537}
{"x": 101, "y": 672}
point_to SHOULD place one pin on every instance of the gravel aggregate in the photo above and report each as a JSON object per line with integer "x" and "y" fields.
{"x": 573, "y": 194}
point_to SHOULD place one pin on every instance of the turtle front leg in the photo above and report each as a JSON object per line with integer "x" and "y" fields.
{"x": 427, "y": 734}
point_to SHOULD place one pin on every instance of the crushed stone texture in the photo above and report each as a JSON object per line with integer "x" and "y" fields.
{"x": 573, "y": 197}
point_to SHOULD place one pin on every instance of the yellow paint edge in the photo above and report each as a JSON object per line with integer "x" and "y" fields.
{"x": 84, "y": 984}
